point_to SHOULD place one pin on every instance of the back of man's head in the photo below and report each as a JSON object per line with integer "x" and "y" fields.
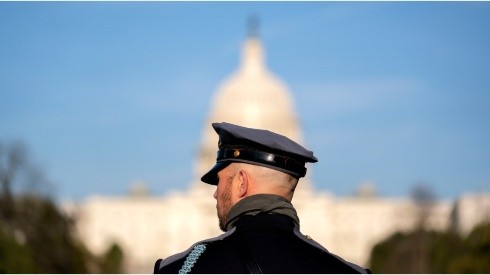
{"x": 264, "y": 180}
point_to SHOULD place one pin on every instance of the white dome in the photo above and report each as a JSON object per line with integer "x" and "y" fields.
{"x": 251, "y": 97}
{"x": 254, "y": 97}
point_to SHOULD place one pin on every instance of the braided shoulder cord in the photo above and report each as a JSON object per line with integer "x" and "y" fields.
{"x": 192, "y": 258}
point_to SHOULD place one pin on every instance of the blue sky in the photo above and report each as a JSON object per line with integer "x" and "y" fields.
{"x": 108, "y": 93}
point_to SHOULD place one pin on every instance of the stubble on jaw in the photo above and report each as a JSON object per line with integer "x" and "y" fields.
{"x": 226, "y": 205}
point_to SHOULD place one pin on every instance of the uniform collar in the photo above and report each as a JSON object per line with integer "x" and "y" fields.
{"x": 261, "y": 203}
{"x": 265, "y": 220}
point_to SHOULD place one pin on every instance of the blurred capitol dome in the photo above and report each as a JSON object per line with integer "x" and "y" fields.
{"x": 253, "y": 97}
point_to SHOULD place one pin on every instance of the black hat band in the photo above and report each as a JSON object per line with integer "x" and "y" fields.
{"x": 289, "y": 165}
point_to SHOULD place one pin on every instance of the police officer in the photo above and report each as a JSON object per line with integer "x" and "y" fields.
{"x": 256, "y": 173}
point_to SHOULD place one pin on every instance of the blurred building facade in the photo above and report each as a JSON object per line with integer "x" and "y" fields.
{"x": 148, "y": 228}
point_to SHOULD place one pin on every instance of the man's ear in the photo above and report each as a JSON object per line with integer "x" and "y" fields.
{"x": 243, "y": 184}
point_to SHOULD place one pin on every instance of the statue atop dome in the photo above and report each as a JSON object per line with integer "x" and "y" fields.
{"x": 253, "y": 26}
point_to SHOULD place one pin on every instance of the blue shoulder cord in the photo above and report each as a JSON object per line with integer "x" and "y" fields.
{"x": 192, "y": 258}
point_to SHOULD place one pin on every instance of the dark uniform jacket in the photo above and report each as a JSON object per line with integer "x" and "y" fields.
{"x": 265, "y": 243}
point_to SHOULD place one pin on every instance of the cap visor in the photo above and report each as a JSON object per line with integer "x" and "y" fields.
{"x": 211, "y": 177}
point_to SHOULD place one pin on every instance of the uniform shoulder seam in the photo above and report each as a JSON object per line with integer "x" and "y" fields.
{"x": 319, "y": 246}
{"x": 181, "y": 255}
